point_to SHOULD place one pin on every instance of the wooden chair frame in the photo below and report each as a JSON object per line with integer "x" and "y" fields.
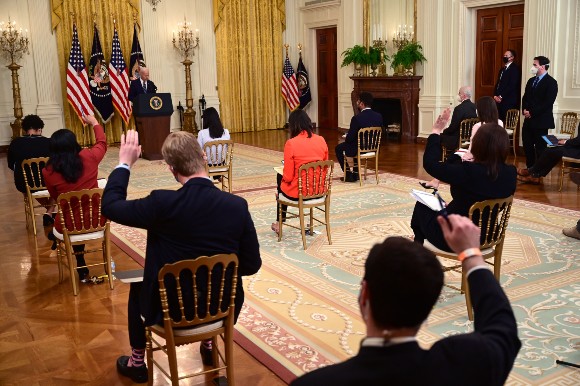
{"x": 492, "y": 246}
{"x": 219, "y": 159}
{"x": 368, "y": 146}
{"x": 568, "y": 166}
{"x": 511, "y": 123}
{"x": 81, "y": 227}
{"x": 209, "y": 326}
{"x": 569, "y": 123}
{"x": 35, "y": 189}
{"x": 465, "y": 130}
{"x": 314, "y": 178}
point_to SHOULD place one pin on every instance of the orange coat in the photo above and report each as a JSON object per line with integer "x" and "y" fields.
{"x": 298, "y": 151}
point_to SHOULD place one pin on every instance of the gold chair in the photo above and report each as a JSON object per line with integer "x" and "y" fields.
{"x": 185, "y": 316}
{"x": 568, "y": 124}
{"x": 493, "y": 236}
{"x": 314, "y": 182}
{"x": 569, "y": 165}
{"x": 368, "y": 143}
{"x": 512, "y": 119}
{"x": 219, "y": 159}
{"x": 82, "y": 222}
{"x": 35, "y": 189}
{"x": 465, "y": 129}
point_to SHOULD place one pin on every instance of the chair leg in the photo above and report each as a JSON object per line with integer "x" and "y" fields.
{"x": 327, "y": 219}
{"x": 229, "y": 351}
{"x": 561, "y": 179}
{"x": 72, "y": 268}
{"x": 280, "y": 222}
{"x": 172, "y": 359}
{"x": 377, "y": 167}
{"x": 59, "y": 262}
{"x": 360, "y": 180}
{"x": 149, "y": 350}
{"x": 107, "y": 258}
{"x": 214, "y": 353}
{"x": 311, "y": 223}
{"x": 302, "y": 228}
{"x": 465, "y": 286}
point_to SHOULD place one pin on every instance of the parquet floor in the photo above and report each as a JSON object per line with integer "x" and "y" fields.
{"x": 50, "y": 337}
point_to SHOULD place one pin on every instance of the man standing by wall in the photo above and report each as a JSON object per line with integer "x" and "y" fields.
{"x": 537, "y": 105}
{"x": 464, "y": 110}
{"x": 507, "y": 87}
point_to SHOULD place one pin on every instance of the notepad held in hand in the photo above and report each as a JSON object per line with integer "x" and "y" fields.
{"x": 427, "y": 199}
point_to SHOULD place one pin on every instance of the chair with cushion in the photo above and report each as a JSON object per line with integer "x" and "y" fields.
{"x": 35, "y": 189}
{"x": 314, "y": 182}
{"x": 186, "y": 318}
{"x": 568, "y": 125}
{"x": 512, "y": 119}
{"x": 465, "y": 128}
{"x": 492, "y": 240}
{"x": 219, "y": 159}
{"x": 82, "y": 223}
{"x": 369, "y": 142}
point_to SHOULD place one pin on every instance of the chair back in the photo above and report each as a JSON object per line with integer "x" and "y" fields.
{"x": 198, "y": 291}
{"x": 369, "y": 139}
{"x": 492, "y": 217}
{"x": 569, "y": 123}
{"x": 80, "y": 212}
{"x": 512, "y": 118}
{"x": 314, "y": 179}
{"x": 32, "y": 171}
{"x": 219, "y": 154}
{"x": 465, "y": 131}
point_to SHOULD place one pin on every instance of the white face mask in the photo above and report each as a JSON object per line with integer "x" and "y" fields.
{"x": 534, "y": 70}
{"x": 459, "y": 99}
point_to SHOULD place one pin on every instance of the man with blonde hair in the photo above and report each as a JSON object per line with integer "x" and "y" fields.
{"x": 181, "y": 224}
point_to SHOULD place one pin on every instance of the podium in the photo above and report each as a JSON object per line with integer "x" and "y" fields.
{"x": 152, "y": 114}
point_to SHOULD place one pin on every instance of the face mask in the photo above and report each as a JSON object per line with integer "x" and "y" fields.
{"x": 534, "y": 70}
{"x": 459, "y": 99}
{"x": 505, "y": 60}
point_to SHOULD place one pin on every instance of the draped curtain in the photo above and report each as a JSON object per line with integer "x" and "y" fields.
{"x": 249, "y": 63}
{"x": 86, "y": 13}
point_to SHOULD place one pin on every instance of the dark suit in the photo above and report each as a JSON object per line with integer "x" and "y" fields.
{"x": 539, "y": 101}
{"x": 450, "y": 136}
{"x": 136, "y": 88}
{"x": 196, "y": 220}
{"x": 366, "y": 118}
{"x": 21, "y": 148}
{"x": 552, "y": 156}
{"x": 484, "y": 357}
{"x": 508, "y": 88}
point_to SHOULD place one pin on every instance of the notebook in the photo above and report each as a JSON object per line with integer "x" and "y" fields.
{"x": 552, "y": 140}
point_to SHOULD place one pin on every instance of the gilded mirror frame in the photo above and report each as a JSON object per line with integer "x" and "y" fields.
{"x": 367, "y": 20}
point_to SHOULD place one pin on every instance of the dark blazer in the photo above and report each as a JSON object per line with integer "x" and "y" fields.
{"x": 464, "y": 110}
{"x": 572, "y": 146}
{"x": 136, "y": 88}
{"x": 483, "y": 357}
{"x": 21, "y": 148}
{"x": 508, "y": 87}
{"x": 196, "y": 220}
{"x": 366, "y": 118}
{"x": 539, "y": 101}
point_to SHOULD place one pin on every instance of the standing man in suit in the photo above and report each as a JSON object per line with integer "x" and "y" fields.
{"x": 537, "y": 105}
{"x": 366, "y": 118}
{"x": 181, "y": 224}
{"x": 141, "y": 85}
{"x": 464, "y": 110}
{"x": 401, "y": 284}
{"x": 507, "y": 87}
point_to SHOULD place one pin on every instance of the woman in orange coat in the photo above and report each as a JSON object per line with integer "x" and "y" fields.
{"x": 303, "y": 147}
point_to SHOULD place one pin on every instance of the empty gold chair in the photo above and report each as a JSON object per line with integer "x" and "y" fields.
{"x": 512, "y": 119}
{"x": 369, "y": 142}
{"x": 186, "y": 318}
{"x": 493, "y": 236}
{"x": 35, "y": 189}
{"x": 82, "y": 223}
{"x": 314, "y": 182}
{"x": 568, "y": 124}
{"x": 219, "y": 159}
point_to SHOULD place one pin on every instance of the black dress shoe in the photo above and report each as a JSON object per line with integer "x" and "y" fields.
{"x": 206, "y": 355}
{"x": 47, "y": 220}
{"x": 350, "y": 177}
{"x": 137, "y": 374}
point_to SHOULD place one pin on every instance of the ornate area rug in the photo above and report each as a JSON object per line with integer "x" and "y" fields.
{"x": 301, "y": 309}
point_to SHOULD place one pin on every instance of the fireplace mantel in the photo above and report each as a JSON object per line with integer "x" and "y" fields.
{"x": 404, "y": 88}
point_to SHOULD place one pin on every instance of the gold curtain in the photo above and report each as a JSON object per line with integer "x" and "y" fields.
{"x": 249, "y": 63}
{"x": 86, "y": 13}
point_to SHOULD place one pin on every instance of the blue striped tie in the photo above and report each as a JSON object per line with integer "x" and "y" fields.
{"x": 535, "y": 82}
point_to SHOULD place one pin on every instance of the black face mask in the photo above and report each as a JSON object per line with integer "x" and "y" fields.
{"x": 505, "y": 60}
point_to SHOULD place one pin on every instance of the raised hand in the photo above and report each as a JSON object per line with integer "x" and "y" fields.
{"x": 130, "y": 148}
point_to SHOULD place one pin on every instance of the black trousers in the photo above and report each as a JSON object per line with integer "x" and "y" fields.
{"x": 425, "y": 227}
{"x": 135, "y": 324}
{"x": 534, "y": 144}
{"x": 549, "y": 158}
{"x": 339, "y": 149}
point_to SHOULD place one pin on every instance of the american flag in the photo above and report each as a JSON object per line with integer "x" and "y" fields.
{"x": 289, "y": 86}
{"x": 119, "y": 80}
{"x": 77, "y": 82}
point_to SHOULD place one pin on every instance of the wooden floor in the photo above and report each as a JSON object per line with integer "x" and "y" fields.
{"x": 50, "y": 337}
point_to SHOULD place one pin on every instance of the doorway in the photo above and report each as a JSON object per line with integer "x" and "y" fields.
{"x": 327, "y": 82}
{"x": 498, "y": 29}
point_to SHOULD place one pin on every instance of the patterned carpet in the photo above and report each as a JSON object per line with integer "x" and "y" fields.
{"x": 301, "y": 309}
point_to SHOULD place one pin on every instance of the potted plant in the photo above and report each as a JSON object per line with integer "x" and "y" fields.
{"x": 357, "y": 55}
{"x": 406, "y": 57}
{"x": 377, "y": 57}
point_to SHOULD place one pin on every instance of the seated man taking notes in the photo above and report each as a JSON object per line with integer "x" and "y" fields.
{"x": 181, "y": 224}
{"x": 401, "y": 284}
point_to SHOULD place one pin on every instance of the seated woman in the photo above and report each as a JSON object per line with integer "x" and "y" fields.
{"x": 213, "y": 131}
{"x": 487, "y": 177}
{"x": 71, "y": 168}
{"x": 303, "y": 147}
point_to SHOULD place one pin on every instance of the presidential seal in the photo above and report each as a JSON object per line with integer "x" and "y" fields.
{"x": 156, "y": 103}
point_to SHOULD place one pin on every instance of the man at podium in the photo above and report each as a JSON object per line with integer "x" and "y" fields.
{"x": 142, "y": 85}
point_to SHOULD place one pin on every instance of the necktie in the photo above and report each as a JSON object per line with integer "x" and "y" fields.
{"x": 536, "y": 80}
{"x": 145, "y": 87}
